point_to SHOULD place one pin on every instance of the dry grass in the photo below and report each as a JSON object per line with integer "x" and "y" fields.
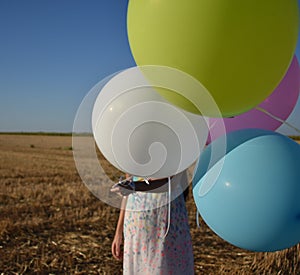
{"x": 51, "y": 224}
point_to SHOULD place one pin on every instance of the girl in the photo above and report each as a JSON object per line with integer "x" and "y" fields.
{"x": 156, "y": 232}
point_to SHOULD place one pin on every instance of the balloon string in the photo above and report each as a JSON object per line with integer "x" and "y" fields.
{"x": 169, "y": 207}
{"x": 197, "y": 218}
{"x": 277, "y": 118}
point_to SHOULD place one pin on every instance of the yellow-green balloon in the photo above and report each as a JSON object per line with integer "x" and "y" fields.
{"x": 238, "y": 49}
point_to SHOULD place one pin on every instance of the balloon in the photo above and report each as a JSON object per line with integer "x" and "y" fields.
{"x": 141, "y": 133}
{"x": 255, "y": 202}
{"x": 298, "y": 43}
{"x": 278, "y": 105}
{"x": 291, "y": 126}
{"x": 239, "y": 50}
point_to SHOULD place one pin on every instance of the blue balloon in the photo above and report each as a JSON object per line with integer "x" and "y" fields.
{"x": 254, "y": 201}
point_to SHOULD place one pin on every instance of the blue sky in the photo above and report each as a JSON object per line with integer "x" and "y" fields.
{"x": 52, "y": 52}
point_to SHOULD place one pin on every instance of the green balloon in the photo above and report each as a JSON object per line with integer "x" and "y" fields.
{"x": 238, "y": 49}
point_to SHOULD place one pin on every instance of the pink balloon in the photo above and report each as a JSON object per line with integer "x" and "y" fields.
{"x": 278, "y": 105}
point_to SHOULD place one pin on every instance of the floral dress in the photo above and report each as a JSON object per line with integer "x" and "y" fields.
{"x": 146, "y": 248}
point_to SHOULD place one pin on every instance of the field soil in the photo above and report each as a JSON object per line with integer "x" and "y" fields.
{"x": 50, "y": 223}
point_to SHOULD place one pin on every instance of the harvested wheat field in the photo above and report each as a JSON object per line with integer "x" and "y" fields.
{"x": 51, "y": 224}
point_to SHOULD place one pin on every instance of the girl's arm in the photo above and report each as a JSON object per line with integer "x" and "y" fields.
{"x": 118, "y": 238}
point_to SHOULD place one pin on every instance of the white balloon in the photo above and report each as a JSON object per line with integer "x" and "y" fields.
{"x": 141, "y": 133}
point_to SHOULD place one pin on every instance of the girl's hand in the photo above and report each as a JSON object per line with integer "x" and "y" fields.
{"x": 123, "y": 188}
{"x": 116, "y": 247}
